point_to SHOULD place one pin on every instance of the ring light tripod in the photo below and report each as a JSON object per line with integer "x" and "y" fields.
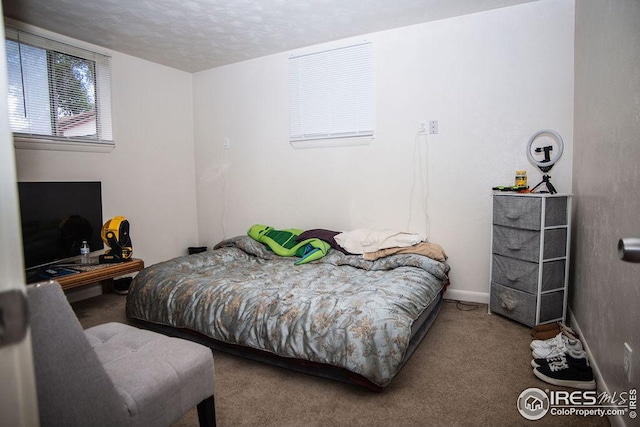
{"x": 547, "y": 162}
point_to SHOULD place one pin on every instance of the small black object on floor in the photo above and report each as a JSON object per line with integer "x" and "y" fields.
{"x": 196, "y": 250}
{"x": 121, "y": 286}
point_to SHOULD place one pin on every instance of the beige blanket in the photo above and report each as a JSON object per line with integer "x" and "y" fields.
{"x": 363, "y": 240}
{"x": 431, "y": 250}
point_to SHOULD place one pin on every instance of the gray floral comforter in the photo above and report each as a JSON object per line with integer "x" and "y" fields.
{"x": 340, "y": 310}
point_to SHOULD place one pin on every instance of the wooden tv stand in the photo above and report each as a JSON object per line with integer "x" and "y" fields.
{"x": 98, "y": 273}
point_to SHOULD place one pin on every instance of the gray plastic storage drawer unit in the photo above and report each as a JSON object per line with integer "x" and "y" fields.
{"x": 530, "y": 256}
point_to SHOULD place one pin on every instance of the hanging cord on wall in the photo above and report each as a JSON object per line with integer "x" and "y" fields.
{"x": 424, "y": 179}
{"x": 422, "y": 167}
{"x": 223, "y": 217}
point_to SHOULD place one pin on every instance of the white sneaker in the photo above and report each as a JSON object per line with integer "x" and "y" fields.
{"x": 556, "y": 341}
{"x": 551, "y": 342}
{"x": 560, "y": 347}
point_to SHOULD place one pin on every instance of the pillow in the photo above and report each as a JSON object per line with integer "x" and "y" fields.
{"x": 362, "y": 240}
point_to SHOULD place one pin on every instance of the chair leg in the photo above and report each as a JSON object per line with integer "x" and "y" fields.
{"x": 207, "y": 412}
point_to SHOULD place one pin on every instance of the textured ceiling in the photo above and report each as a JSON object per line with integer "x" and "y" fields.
{"x": 195, "y": 35}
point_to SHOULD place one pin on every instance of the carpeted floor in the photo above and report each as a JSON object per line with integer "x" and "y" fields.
{"x": 468, "y": 371}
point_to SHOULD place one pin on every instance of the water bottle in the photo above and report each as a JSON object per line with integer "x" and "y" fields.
{"x": 84, "y": 253}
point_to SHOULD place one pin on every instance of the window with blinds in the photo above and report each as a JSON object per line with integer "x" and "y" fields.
{"x": 57, "y": 92}
{"x": 331, "y": 94}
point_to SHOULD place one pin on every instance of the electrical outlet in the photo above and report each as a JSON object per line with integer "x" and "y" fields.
{"x": 433, "y": 127}
{"x": 627, "y": 361}
{"x": 226, "y": 144}
{"x": 422, "y": 126}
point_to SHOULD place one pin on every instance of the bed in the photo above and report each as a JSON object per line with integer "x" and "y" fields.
{"x": 340, "y": 317}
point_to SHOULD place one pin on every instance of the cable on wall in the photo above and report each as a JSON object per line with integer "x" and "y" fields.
{"x": 421, "y": 170}
{"x": 223, "y": 217}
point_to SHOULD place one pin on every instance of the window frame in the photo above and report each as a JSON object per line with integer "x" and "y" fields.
{"x": 51, "y": 42}
{"x": 343, "y": 67}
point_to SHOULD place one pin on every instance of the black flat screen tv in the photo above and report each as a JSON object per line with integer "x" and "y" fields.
{"x": 56, "y": 217}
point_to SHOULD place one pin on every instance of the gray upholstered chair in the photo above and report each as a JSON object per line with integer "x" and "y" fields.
{"x": 113, "y": 374}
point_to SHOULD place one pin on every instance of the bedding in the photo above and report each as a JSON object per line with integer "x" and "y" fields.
{"x": 431, "y": 250}
{"x": 286, "y": 243}
{"x": 339, "y": 311}
{"x": 363, "y": 240}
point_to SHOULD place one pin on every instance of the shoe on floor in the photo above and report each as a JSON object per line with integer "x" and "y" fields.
{"x": 556, "y": 341}
{"x": 545, "y": 335}
{"x": 573, "y": 358}
{"x": 544, "y": 353}
{"x": 121, "y": 286}
{"x": 562, "y": 373}
{"x": 546, "y": 331}
{"x": 568, "y": 331}
{"x": 545, "y": 328}
{"x": 556, "y": 347}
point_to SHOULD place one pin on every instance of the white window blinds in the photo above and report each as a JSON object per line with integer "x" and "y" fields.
{"x": 57, "y": 92}
{"x": 331, "y": 93}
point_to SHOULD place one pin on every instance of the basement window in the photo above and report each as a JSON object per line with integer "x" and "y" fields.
{"x": 331, "y": 97}
{"x": 59, "y": 96}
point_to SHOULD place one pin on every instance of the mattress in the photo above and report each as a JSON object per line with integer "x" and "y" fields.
{"x": 362, "y": 319}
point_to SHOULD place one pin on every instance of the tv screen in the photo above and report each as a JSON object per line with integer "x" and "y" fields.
{"x": 57, "y": 217}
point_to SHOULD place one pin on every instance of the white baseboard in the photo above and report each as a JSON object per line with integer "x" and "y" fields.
{"x": 467, "y": 296}
{"x": 616, "y": 421}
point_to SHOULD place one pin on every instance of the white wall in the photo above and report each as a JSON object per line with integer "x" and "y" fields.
{"x": 491, "y": 79}
{"x": 149, "y": 176}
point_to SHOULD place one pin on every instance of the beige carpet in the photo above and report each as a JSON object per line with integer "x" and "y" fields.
{"x": 468, "y": 371}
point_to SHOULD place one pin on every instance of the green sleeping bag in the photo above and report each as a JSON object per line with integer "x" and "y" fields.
{"x": 283, "y": 243}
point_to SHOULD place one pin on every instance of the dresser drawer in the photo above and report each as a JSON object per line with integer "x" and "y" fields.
{"x": 517, "y": 212}
{"x": 555, "y": 243}
{"x": 553, "y": 274}
{"x": 556, "y": 211}
{"x": 515, "y": 273}
{"x": 525, "y": 212}
{"x": 523, "y": 275}
{"x": 525, "y": 244}
{"x": 517, "y": 305}
{"x": 551, "y": 306}
{"x": 515, "y": 243}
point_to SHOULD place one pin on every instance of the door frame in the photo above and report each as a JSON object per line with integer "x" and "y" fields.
{"x": 18, "y": 397}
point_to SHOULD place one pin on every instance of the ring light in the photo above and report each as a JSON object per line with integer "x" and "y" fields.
{"x": 547, "y": 163}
